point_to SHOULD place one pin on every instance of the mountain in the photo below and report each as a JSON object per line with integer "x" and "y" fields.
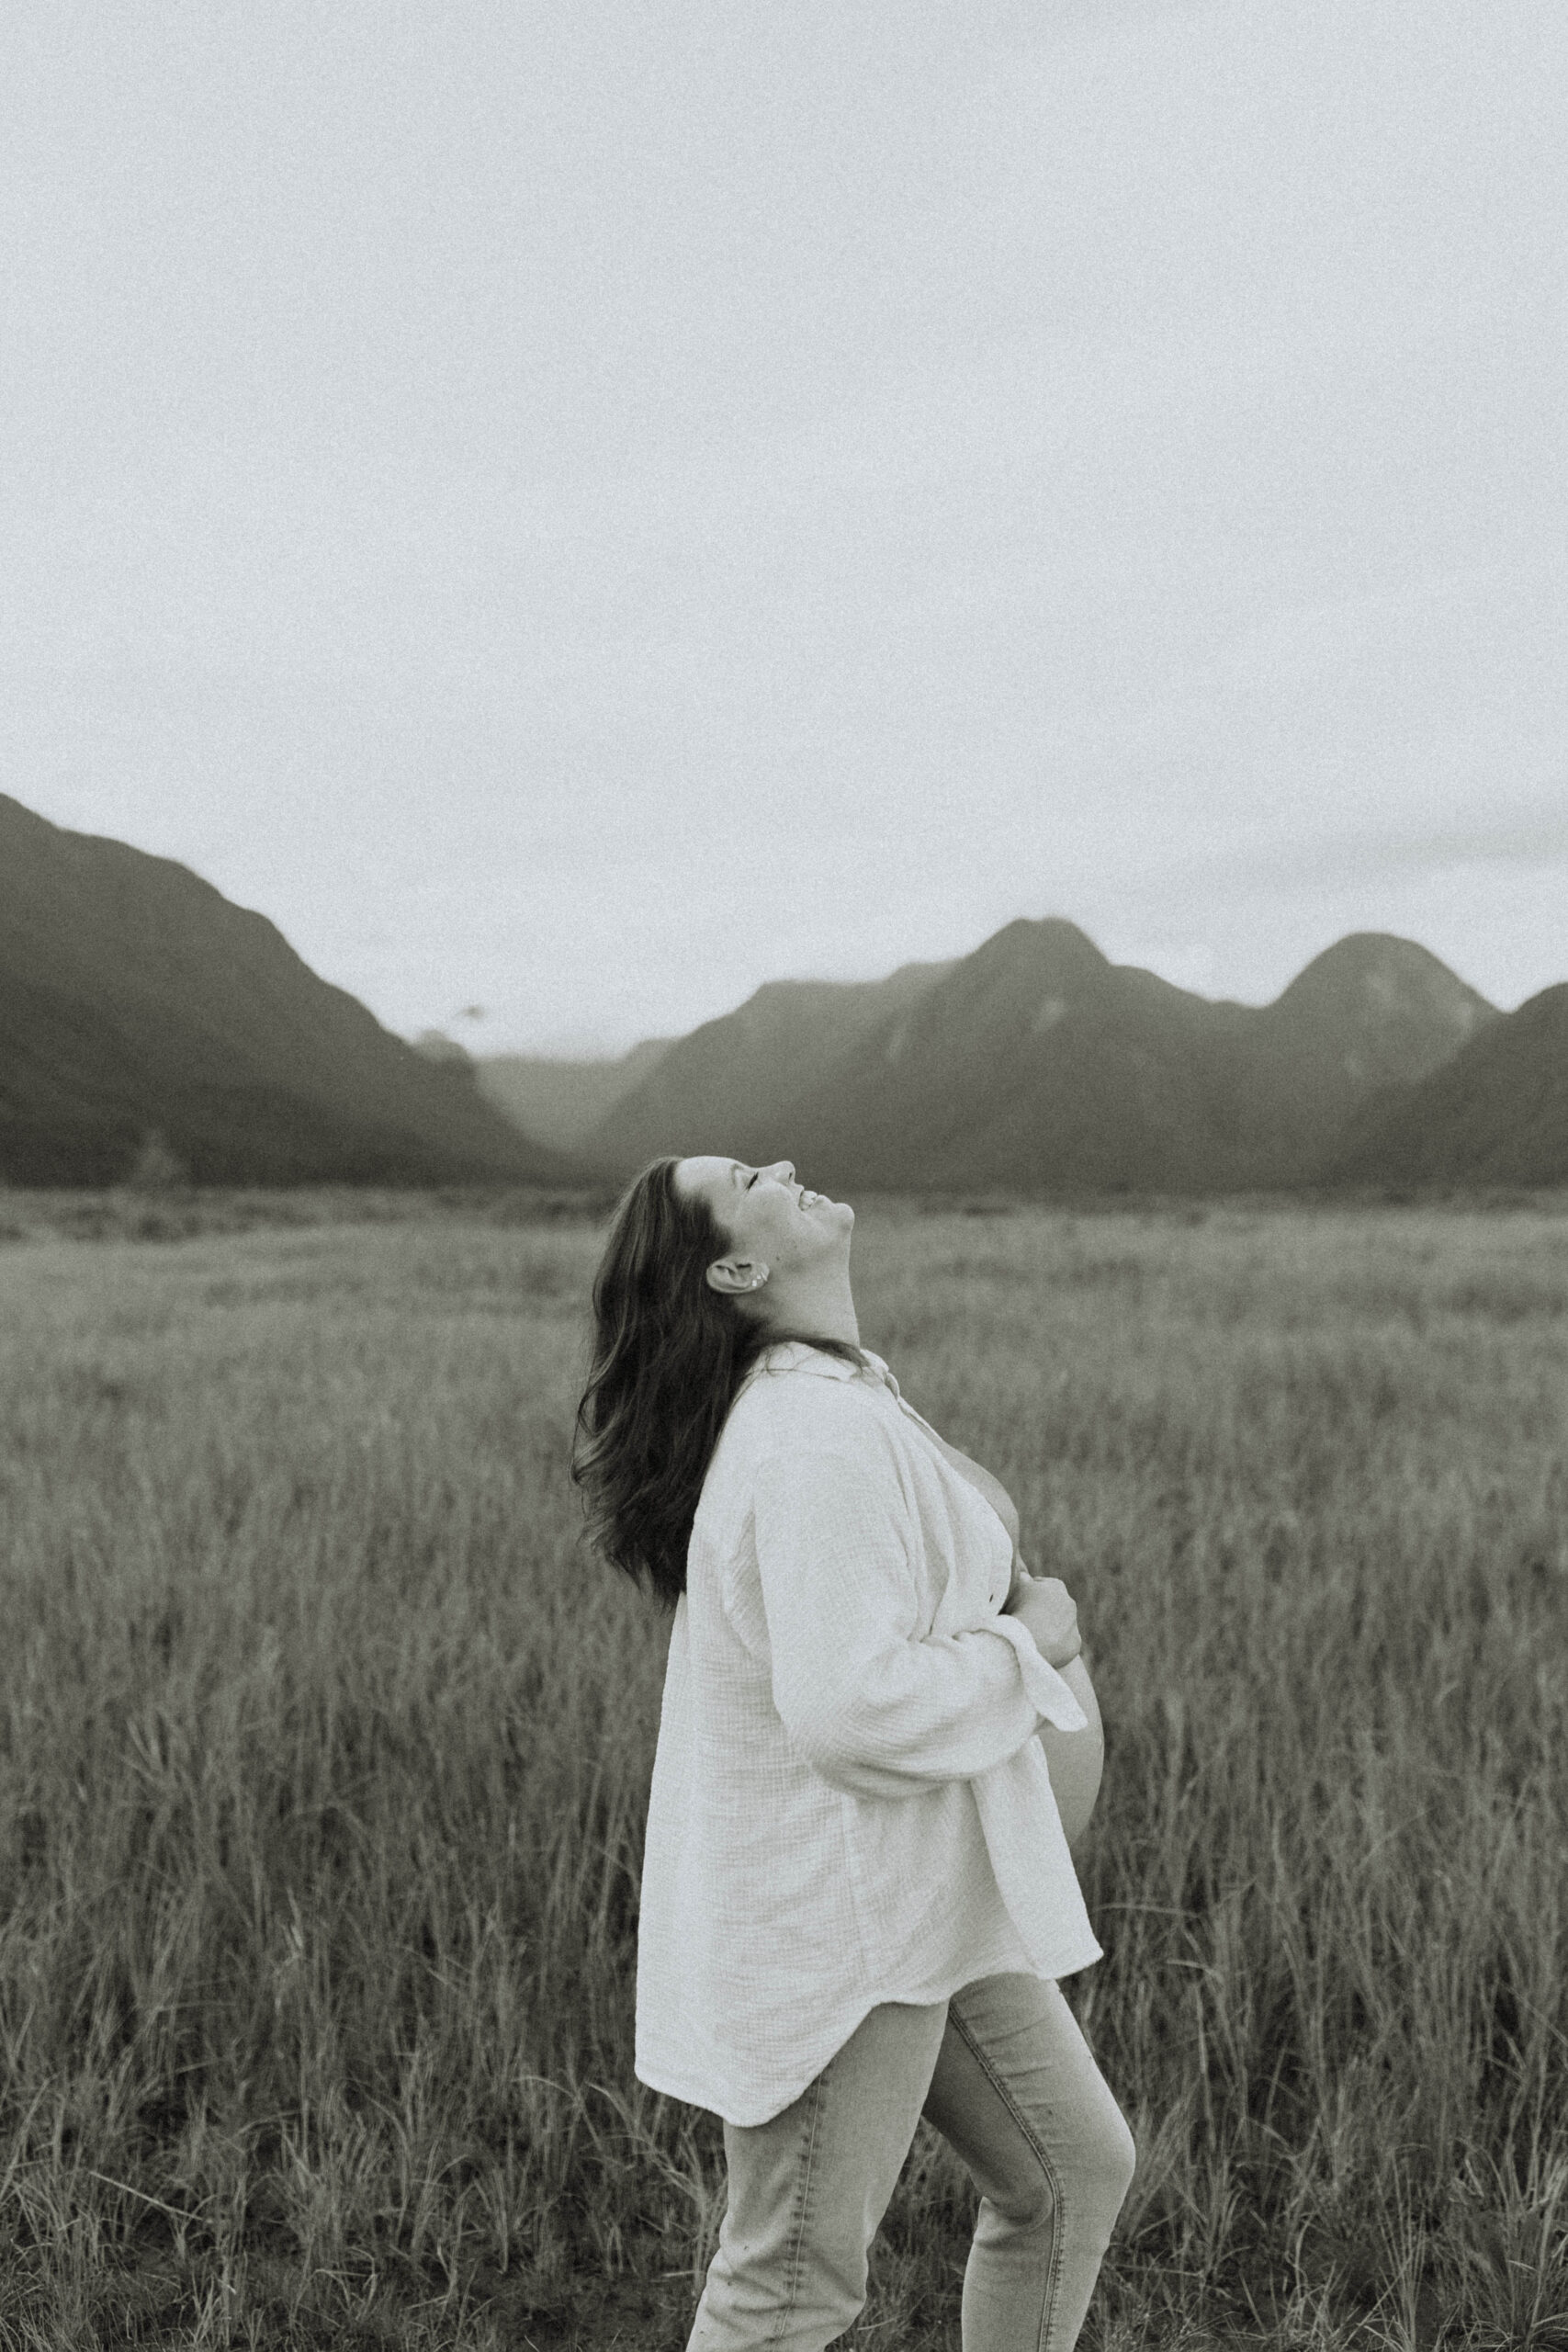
{"x": 1496, "y": 1113}
{"x": 136, "y": 1002}
{"x": 1032, "y": 1062}
{"x": 737, "y": 1076}
{"x": 1036, "y": 1064}
{"x": 1371, "y": 1011}
{"x": 557, "y": 1103}
{"x": 135, "y": 997}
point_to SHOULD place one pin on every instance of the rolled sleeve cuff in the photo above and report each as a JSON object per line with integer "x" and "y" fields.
{"x": 1047, "y": 1691}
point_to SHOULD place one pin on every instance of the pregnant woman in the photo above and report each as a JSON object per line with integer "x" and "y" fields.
{"x": 877, "y": 1738}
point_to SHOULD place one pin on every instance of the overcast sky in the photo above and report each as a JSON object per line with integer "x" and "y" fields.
{"x": 581, "y": 509}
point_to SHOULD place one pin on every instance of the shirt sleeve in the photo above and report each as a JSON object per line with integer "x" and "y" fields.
{"x": 876, "y": 1709}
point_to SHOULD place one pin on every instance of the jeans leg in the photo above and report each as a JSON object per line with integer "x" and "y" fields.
{"x": 1016, "y": 2093}
{"x": 808, "y": 2189}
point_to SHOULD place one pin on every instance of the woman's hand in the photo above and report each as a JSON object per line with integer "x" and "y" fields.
{"x": 1048, "y": 1608}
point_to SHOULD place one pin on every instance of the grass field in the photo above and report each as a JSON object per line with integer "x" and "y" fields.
{"x": 324, "y": 1750}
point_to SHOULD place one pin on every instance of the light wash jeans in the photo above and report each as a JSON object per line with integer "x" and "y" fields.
{"x": 1006, "y": 2076}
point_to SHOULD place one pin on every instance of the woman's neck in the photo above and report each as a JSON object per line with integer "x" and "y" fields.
{"x": 820, "y": 1302}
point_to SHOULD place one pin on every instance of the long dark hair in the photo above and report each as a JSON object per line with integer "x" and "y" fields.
{"x": 668, "y": 1357}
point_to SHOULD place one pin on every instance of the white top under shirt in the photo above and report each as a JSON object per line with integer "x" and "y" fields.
{"x": 849, "y": 1804}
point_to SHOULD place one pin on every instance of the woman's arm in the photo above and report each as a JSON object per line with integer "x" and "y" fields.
{"x": 876, "y": 1707}
{"x": 1048, "y": 1608}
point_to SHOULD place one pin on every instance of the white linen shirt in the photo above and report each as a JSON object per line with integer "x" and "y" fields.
{"x": 849, "y": 1804}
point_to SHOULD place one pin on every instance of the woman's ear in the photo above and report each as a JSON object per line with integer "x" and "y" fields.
{"x": 730, "y": 1274}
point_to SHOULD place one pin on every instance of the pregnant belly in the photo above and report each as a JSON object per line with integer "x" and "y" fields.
{"x": 1076, "y": 1758}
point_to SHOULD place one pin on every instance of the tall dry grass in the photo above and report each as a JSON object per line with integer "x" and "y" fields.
{"x": 324, "y": 1749}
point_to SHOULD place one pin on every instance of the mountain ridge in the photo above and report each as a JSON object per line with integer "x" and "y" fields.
{"x": 737, "y": 1072}
{"x": 135, "y": 996}
{"x": 136, "y": 1000}
{"x": 1035, "y": 1063}
{"x": 1495, "y": 1112}
{"x": 559, "y": 1101}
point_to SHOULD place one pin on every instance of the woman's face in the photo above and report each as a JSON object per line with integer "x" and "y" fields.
{"x": 769, "y": 1220}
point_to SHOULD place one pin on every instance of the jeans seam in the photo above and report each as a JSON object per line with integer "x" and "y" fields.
{"x": 803, "y": 2204}
{"x": 1039, "y": 2150}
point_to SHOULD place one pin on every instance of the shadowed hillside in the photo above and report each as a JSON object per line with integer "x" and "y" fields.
{"x": 559, "y": 1102}
{"x": 1371, "y": 1011}
{"x": 134, "y": 998}
{"x": 1496, "y": 1113}
{"x": 742, "y": 1073}
{"x": 1036, "y": 1063}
